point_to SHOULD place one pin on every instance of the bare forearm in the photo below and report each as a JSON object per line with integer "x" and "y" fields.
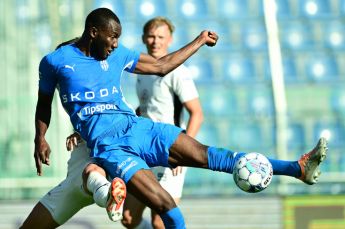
{"x": 175, "y": 59}
{"x": 194, "y": 124}
{"x": 41, "y": 129}
{"x": 148, "y": 65}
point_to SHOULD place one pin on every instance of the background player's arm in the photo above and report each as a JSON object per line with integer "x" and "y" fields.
{"x": 193, "y": 107}
{"x": 196, "y": 117}
{"x": 42, "y": 120}
{"x": 162, "y": 66}
{"x": 73, "y": 140}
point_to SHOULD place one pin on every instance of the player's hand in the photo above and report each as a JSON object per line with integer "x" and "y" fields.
{"x": 72, "y": 141}
{"x": 210, "y": 37}
{"x": 176, "y": 171}
{"x": 41, "y": 154}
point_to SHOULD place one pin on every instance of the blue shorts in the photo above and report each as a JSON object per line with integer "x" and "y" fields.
{"x": 133, "y": 144}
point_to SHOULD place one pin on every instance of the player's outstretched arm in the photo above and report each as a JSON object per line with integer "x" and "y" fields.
{"x": 162, "y": 66}
{"x": 42, "y": 120}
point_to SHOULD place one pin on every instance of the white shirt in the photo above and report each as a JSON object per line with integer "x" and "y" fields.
{"x": 156, "y": 94}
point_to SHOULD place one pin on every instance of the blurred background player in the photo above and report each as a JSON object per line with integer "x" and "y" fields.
{"x": 162, "y": 100}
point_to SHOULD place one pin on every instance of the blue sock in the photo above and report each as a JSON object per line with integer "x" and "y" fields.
{"x": 221, "y": 159}
{"x": 173, "y": 219}
{"x": 288, "y": 168}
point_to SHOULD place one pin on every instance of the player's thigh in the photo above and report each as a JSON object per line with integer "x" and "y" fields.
{"x": 186, "y": 151}
{"x": 145, "y": 187}
{"x": 39, "y": 218}
{"x": 66, "y": 199}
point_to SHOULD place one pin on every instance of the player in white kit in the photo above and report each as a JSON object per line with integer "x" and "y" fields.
{"x": 162, "y": 100}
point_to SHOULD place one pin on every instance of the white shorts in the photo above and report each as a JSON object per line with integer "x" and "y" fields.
{"x": 172, "y": 184}
{"x": 67, "y": 198}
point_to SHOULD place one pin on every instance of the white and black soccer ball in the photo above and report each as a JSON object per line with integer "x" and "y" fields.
{"x": 252, "y": 172}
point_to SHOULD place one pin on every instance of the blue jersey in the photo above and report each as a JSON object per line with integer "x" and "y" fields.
{"x": 88, "y": 88}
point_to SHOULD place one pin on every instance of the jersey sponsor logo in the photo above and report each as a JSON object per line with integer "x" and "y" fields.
{"x": 99, "y": 108}
{"x": 70, "y": 67}
{"x": 104, "y": 65}
{"x": 88, "y": 95}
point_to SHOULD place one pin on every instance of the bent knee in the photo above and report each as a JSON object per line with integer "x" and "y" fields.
{"x": 93, "y": 168}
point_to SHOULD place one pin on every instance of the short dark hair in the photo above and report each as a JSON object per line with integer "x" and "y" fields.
{"x": 100, "y": 17}
{"x": 67, "y": 42}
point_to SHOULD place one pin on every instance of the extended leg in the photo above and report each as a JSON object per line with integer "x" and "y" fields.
{"x": 186, "y": 151}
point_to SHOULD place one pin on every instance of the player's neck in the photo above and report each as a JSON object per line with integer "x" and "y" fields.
{"x": 84, "y": 44}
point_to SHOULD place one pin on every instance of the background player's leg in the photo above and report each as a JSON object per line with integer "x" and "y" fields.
{"x": 145, "y": 187}
{"x": 156, "y": 220}
{"x": 39, "y": 218}
{"x": 132, "y": 212}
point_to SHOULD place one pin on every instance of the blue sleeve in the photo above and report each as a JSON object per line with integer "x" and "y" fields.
{"x": 47, "y": 77}
{"x": 136, "y": 56}
{"x": 132, "y": 58}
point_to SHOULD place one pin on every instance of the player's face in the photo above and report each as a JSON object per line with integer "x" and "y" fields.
{"x": 106, "y": 40}
{"x": 157, "y": 41}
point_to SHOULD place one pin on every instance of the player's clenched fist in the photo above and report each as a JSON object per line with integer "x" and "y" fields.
{"x": 210, "y": 38}
{"x": 214, "y": 38}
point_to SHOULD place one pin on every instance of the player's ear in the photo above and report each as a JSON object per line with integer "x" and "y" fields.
{"x": 143, "y": 38}
{"x": 93, "y": 32}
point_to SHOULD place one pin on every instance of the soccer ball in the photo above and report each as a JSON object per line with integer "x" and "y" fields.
{"x": 252, "y": 172}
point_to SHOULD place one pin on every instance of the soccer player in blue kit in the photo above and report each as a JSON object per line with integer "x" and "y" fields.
{"x": 87, "y": 75}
